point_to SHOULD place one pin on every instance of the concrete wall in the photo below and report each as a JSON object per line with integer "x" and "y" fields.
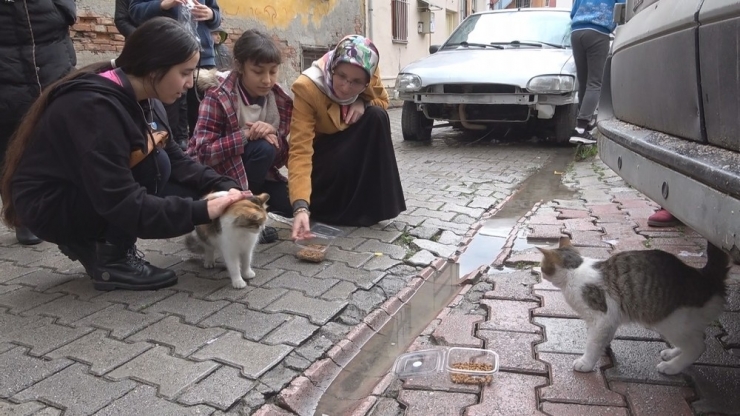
{"x": 298, "y": 25}
{"x": 395, "y": 55}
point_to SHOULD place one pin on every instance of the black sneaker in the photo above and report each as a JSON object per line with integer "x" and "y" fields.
{"x": 268, "y": 235}
{"x": 584, "y": 137}
{"x": 591, "y": 125}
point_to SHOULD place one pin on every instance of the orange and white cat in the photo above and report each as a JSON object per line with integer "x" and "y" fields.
{"x": 234, "y": 234}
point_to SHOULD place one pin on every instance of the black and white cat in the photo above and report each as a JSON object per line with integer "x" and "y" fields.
{"x": 650, "y": 287}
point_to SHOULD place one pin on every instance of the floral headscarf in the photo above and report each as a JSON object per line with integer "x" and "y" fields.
{"x": 353, "y": 49}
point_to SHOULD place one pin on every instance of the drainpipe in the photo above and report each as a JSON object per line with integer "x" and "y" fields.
{"x": 369, "y": 28}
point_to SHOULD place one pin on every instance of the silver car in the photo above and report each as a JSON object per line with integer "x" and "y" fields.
{"x": 498, "y": 67}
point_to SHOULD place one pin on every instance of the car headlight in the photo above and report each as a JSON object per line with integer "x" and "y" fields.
{"x": 551, "y": 84}
{"x": 408, "y": 83}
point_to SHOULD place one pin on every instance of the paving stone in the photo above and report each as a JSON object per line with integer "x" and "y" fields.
{"x": 730, "y": 321}
{"x": 221, "y": 389}
{"x": 717, "y": 389}
{"x": 508, "y": 394}
{"x": 384, "y": 236}
{"x": 12, "y": 271}
{"x": 300, "y": 397}
{"x": 456, "y": 329}
{"x": 49, "y": 411}
{"x": 24, "y": 299}
{"x": 422, "y": 258}
{"x": 374, "y": 246}
{"x": 170, "y": 375}
{"x": 340, "y": 291}
{"x": 587, "y": 239}
{"x": 291, "y": 263}
{"x": 715, "y": 353}
{"x": 567, "y": 385}
{"x": 483, "y": 202}
{"x": 292, "y": 332}
{"x": 43, "y": 279}
{"x": 635, "y": 361}
{"x": 310, "y": 286}
{"x": 434, "y": 247}
{"x": 254, "y": 359}
{"x": 446, "y": 225}
{"x": 278, "y": 377}
{"x": 515, "y": 350}
{"x": 637, "y": 333}
{"x": 23, "y": 409}
{"x": 652, "y": 399}
{"x": 362, "y": 278}
{"x": 449, "y": 238}
{"x": 143, "y": 400}
{"x": 351, "y": 258}
{"x": 425, "y": 403}
{"x": 18, "y": 370}
{"x": 507, "y": 315}
{"x": 120, "y": 321}
{"x": 253, "y": 324}
{"x": 259, "y": 298}
{"x": 583, "y": 410}
{"x": 170, "y": 331}
{"x": 317, "y": 310}
{"x": 76, "y": 391}
{"x": 192, "y": 310}
{"x": 43, "y": 336}
{"x": 566, "y": 214}
{"x": 263, "y": 277}
{"x": 553, "y": 305}
{"x": 512, "y": 285}
{"x": 10, "y": 323}
{"x": 67, "y": 309}
{"x": 82, "y": 289}
{"x": 545, "y": 232}
{"x": 528, "y": 256}
{"x": 567, "y": 336}
{"x": 272, "y": 410}
{"x": 424, "y": 232}
{"x": 380, "y": 262}
{"x": 101, "y": 353}
{"x": 198, "y": 287}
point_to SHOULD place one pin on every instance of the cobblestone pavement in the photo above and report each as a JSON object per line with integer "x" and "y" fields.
{"x": 272, "y": 348}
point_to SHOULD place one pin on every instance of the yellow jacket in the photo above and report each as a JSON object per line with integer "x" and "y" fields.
{"x": 315, "y": 115}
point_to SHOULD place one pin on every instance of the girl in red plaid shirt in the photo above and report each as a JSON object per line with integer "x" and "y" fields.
{"x": 244, "y": 120}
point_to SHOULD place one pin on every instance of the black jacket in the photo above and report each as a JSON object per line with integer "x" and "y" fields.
{"x": 54, "y": 53}
{"x": 122, "y": 18}
{"x": 75, "y": 176}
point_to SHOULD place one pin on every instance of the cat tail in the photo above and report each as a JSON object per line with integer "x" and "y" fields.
{"x": 193, "y": 243}
{"x": 718, "y": 263}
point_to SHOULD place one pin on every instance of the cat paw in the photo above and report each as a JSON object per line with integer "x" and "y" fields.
{"x": 669, "y": 353}
{"x": 238, "y": 284}
{"x": 250, "y": 274}
{"x": 209, "y": 264}
{"x": 668, "y": 369}
{"x": 582, "y": 366}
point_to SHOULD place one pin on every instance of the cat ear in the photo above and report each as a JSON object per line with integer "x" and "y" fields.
{"x": 263, "y": 198}
{"x": 564, "y": 242}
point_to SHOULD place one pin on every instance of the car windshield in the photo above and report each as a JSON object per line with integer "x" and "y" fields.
{"x": 518, "y": 28}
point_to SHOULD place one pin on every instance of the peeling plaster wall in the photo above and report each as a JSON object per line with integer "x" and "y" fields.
{"x": 295, "y": 24}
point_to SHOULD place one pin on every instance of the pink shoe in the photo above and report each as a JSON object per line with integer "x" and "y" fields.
{"x": 663, "y": 218}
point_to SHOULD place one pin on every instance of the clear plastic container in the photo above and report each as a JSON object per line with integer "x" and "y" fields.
{"x": 464, "y": 365}
{"x": 314, "y": 248}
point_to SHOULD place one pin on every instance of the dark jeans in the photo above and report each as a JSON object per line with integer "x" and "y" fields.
{"x": 258, "y": 158}
{"x": 177, "y": 117}
{"x": 590, "y": 49}
{"x": 155, "y": 178}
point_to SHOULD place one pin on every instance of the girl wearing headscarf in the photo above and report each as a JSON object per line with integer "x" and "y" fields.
{"x": 341, "y": 163}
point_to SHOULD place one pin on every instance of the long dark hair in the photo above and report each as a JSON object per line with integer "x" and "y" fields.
{"x": 149, "y": 53}
{"x": 257, "y": 47}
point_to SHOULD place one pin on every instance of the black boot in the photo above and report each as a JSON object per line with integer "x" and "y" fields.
{"x": 26, "y": 237}
{"x": 82, "y": 251}
{"x": 125, "y": 268}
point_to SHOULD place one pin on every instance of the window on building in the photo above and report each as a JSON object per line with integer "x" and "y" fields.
{"x": 523, "y": 3}
{"x": 463, "y": 9}
{"x": 400, "y": 17}
{"x": 310, "y": 54}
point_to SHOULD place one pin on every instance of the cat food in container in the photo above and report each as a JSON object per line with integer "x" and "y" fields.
{"x": 314, "y": 249}
{"x": 464, "y": 365}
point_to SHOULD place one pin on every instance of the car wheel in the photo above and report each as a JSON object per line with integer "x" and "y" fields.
{"x": 415, "y": 126}
{"x": 564, "y": 122}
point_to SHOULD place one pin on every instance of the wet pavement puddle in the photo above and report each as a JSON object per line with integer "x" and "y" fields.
{"x": 359, "y": 377}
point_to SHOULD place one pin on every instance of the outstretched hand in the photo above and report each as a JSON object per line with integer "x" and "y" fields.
{"x": 217, "y": 206}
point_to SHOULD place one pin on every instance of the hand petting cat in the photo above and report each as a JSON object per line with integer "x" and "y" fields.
{"x": 218, "y": 205}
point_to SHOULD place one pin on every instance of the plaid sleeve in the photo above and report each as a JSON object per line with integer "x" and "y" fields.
{"x": 285, "y": 109}
{"x": 213, "y": 142}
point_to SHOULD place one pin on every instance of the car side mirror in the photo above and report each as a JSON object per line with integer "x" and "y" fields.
{"x": 433, "y": 48}
{"x": 620, "y": 13}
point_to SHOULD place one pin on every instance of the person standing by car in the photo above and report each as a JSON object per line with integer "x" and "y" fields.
{"x": 592, "y": 22}
{"x": 341, "y": 162}
{"x": 36, "y": 51}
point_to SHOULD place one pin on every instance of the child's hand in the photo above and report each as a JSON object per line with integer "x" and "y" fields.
{"x": 273, "y": 140}
{"x": 168, "y": 4}
{"x": 201, "y": 12}
{"x": 259, "y": 130}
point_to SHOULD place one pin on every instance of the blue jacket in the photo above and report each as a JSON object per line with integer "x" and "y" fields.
{"x": 594, "y": 14}
{"x": 143, "y": 10}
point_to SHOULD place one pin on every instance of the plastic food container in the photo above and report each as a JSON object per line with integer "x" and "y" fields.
{"x": 464, "y": 365}
{"x": 314, "y": 249}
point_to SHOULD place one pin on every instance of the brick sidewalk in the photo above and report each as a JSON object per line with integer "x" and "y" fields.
{"x": 537, "y": 335}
